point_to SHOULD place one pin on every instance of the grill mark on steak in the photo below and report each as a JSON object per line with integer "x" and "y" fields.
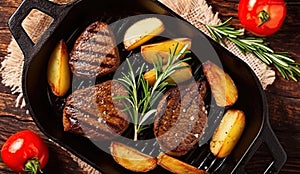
{"x": 95, "y": 63}
{"x": 99, "y": 54}
{"x": 98, "y": 42}
{"x": 94, "y": 53}
{"x": 89, "y": 130}
{"x": 181, "y": 118}
{"x": 92, "y": 111}
{"x": 92, "y": 68}
{"x": 92, "y": 31}
{"x": 111, "y": 121}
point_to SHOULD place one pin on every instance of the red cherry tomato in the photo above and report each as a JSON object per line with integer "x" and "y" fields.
{"x": 25, "y": 152}
{"x": 262, "y": 17}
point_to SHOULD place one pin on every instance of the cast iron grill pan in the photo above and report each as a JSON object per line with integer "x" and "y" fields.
{"x": 70, "y": 20}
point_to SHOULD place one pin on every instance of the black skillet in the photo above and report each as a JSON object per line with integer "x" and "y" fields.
{"x": 70, "y": 19}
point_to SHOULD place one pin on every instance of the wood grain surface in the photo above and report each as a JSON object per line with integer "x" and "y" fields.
{"x": 283, "y": 96}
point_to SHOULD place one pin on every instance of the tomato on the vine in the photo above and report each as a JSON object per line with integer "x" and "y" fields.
{"x": 262, "y": 17}
{"x": 25, "y": 152}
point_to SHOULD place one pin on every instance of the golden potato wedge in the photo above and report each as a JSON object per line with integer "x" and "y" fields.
{"x": 182, "y": 74}
{"x": 222, "y": 86}
{"x": 228, "y": 133}
{"x": 132, "y": 159}
{"x": 162, "y": 50}
{"x": 58, "y": 72}
{"x": 176, "y": 166}
{"x": 142, "y": 31}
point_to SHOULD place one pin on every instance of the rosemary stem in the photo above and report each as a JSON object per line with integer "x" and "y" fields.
{"x": 141, "y": 97}
{"x": 286, "y": 66}
{"x": 135, "y": 138}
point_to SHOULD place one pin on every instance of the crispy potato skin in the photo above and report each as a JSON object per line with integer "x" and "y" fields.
{"x": 222, "y": 86}
{"x": 176, "y": 166}
{"x": 228, "y": 133}
{"x": 161, "y": 50}
{"x": 132, "y": 159}
{"x": 58, "y": 71}
{"x": 180, "y": 75}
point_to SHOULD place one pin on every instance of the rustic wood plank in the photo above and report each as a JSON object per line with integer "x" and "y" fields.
{"x": 16, "y": 119}
{"x": 284, "y": 112}
{"x": 285, "y": 40}
{"x": 8, "y": 109}
{"x": 6, "y": 10}
{"x": 59, "y": 160}
{"x": 283, "y": 96}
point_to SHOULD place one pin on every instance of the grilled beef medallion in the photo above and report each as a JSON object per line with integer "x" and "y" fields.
{"x": 95, "y": 52}
{"x": 181, "y": 118}
{"x": 92, "y": 111}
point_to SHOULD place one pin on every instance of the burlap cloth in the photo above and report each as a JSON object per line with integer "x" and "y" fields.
{"x": 197, "y": 12}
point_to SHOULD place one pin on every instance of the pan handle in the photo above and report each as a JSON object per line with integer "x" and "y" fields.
{"x": 278, "y": 154}
{"x": 56, "y": 11}
{"x": 276, "y": 150}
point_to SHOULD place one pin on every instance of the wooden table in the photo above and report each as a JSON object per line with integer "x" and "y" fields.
{"x": 283, "y": 96}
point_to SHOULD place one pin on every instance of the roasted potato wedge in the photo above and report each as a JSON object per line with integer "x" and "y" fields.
{"x": 152, "y": 52}
{"x": 222, "y": 86}
{"x": 176, "y": 166}
{"x": 58, "y": 72}
{"x": 142, "y": 31}
{"x": 132, "y": 159}
{"x": 228, "y": 133}
{"x": 182, "y": 74}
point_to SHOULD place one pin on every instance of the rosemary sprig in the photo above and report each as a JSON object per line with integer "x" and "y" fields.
{"x": 282, "y": 61}
{"x": 142, "y": 97}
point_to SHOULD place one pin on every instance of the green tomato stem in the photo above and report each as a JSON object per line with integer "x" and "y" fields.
{"x": 264, "y": 17}
{"x": 32, "y": 166}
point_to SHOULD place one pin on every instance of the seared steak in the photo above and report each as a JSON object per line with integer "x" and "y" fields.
{"x": 181, "y": 118}
{"x": 92, "y": 111}
{"x": 95, "y": 52}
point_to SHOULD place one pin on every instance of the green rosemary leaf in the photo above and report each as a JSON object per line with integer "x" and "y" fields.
{"x": 282, "y": 61}
{"x": 147, "y": 116}
{"x": 293, "y": 78}
{"x": 261, "y": 46}
{"x": 125, "y": 82}
{"x": 276, "y": 60}
{"x": 156, "y": 95}
{"x": 221, "y": 32}
{"x": 281, "y": 71}
{"x": 212, "y": 33}
{"x": 144, "y": 127}
{"x": 142, "y": 98}
{"x": 289, "y": 72}
{"x": 296, "y": 70}
{"x": 238, "y": 44}
{"x": 225, "y": 23}
{"x": 262, "y": 57}
{"x": 229, "y": 29}
{"x": 284, "y": 57}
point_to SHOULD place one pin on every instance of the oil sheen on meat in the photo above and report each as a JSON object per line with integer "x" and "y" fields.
{"x": 95, "y": 52}
{"x": 181, "y": 118}
{"x": 94, "y": 113}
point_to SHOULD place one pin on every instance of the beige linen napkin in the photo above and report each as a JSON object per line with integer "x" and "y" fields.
{"x": 197, "y": 12}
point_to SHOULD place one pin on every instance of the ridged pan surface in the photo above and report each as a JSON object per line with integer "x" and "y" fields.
{"x": 46, "y": 108}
